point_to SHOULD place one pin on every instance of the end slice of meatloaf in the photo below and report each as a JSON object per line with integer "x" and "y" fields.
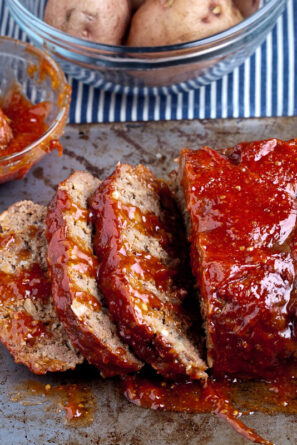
{"x": 79, "y": 304}
{"x": 29, "y": 326}
{"x": 140, "y": 244}
{"x": 243, "y": 218}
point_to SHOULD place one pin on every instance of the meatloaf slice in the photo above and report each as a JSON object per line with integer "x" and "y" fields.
{"x": 29, "y": 325}
{"x": 73, "y": 266}
{"x": 243, "y": 219}
{"x": 140, "y": 244}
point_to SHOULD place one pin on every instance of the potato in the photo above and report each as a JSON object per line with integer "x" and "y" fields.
{"x": 102, "y": 21}
{"x": 247, "y": 7}
{"x": 136, "y": 3}
{"x": 166, "y": 22}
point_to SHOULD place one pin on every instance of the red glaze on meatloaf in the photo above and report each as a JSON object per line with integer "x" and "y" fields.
{"x": 29, "y": 326}
{"x": 243, "y": 214}
{"x": 73, "y": 266}
{"x": 140, "y": 244}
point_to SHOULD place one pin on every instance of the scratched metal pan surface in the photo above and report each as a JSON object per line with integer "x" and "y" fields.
{"x": 97, "y": 148}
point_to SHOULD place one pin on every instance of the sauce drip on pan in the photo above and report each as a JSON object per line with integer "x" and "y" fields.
{"x": 191, "y": 397}
{"x": 224, "y": 398}
{"x": 76, "y": 400}
{"x": 227, "y": 398}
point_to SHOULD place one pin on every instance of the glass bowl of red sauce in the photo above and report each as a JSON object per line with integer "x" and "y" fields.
{"x": 34, "y": 107}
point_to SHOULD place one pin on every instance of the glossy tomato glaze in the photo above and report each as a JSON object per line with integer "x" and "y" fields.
{"x": 243, "y": 212}
{"x": 27, "y": 121}
{"x": 123, "y": 273}
{"x": 22, "y": 125}
{"x": 64, "y": 251}
{"x": 20, "y": 327}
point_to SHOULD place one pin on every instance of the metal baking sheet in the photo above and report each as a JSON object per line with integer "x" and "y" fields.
{"x": 97, "y": 148}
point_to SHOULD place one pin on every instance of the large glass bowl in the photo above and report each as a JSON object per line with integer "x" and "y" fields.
{"x": 40, "y": 79}
{"x": 196, "y": 63}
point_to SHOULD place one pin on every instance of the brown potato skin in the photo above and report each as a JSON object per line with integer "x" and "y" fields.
{"x": 247, "y": 7}
{"x": 102, "y": 21}
{"x": 167, "y": 22}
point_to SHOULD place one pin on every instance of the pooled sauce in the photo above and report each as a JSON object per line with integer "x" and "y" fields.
{"x": 77, "y": 401}
{"x": 23, "y": 124}
{"x": 189, "y": 397}
{"x": 224, "y": 398}
{"x": 228, "y": 400}
{"x": 26, "y": 120}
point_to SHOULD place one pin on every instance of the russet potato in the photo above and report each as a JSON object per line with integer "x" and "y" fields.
{"x": 102, "y": 21}
{"x": 166, "y": 22}
{"x": 247, "y": 7}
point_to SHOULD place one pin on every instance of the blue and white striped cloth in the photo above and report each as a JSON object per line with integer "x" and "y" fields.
{"x": 265, "y": 85}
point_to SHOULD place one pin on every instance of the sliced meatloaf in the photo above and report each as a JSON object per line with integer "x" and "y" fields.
{"x": 140, "y": 244}
{"x": 242, "y": 222}
{"x": 29, "y": 325}
{"x": 73, "y": 266}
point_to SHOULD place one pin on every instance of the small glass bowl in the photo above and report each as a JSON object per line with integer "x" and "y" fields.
{"x": 195, "y": 63}
{"x": 40, "y": 79}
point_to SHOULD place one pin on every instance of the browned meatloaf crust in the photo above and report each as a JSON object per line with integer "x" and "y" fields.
{"x": 29, "y": 326}
{"x": 242, "y": 213}
{"x": 140, "y": 244}
{"x": 79, "y": 304}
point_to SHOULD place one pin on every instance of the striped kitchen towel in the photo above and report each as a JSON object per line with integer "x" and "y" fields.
{"x": 265, "y": 85}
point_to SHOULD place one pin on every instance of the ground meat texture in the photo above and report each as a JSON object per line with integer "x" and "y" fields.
{"x": 73, "y": 266}
{"x": 242, "y": 212}
{"x": 29, "y": 326}
{"x": 140, "y": 244}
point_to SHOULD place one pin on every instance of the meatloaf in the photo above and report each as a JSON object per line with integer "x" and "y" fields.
{"x": 29, "y": 326}
{"x": 242, "y": 224}
{"x": 140, "y": 244}
{"x": 73, "y": 266}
